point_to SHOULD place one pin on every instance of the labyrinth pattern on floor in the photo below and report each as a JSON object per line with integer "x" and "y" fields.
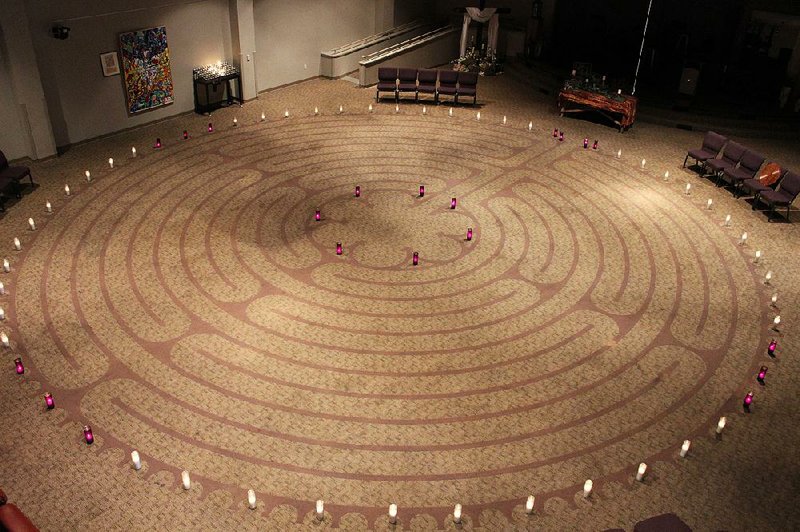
{"x": 187, "y": 304}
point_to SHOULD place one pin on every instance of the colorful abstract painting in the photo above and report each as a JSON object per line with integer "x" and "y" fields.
{"x": 146, "y": 67}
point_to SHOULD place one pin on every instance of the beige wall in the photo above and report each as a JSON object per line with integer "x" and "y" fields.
{"x": 291, "y": 34}
{"x": 83, "y": 104}
{"x": 13, "y": 140}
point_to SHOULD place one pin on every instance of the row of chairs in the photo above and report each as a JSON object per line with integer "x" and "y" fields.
{"x": 728, "y": 162}
{"x": 423, "y": 81}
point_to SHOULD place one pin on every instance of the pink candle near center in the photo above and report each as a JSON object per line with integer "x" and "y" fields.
{"x": 87, "y": 434}
{"x": 453, "y": 203}
{"x": 49, "y": 401}
{"x": 469, "y": 233}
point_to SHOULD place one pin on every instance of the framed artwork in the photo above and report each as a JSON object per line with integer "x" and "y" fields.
{"x": 110, "y": 63}
{"x": 146, "y": 69}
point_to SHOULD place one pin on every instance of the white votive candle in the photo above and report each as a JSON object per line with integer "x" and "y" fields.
{"x": 529, "y": 504}
{"x": 457, "y": 513}
{"x": 111, "y": 162}
{"x": 17, "y": 244}
{"x": 136, "y": 460}
{"x": 393, "y": 513}
{"x": 251, "y": 499}
{"x": 31, "y": 224}
{"x": 641, "y": 471}
{"x": 6, "y": 266}
{"x": 48, "y": 207}
{"x": 133, "y": 152}
{"x": 186, "y": 480}
{"x": 709, "y": 203}
{"x": 587, "y": 488}
{"x": 721, "y": 424}
{"x": 320, "y": 508}
{"x": 685, "y": 448}
{"x": 66, "y": 190}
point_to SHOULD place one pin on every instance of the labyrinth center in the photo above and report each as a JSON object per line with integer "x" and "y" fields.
{"x": 186, "y": 304}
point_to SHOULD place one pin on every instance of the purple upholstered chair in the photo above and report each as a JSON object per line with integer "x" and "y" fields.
{"x": 783, "y": 196}
{"x": 731, "y": 156}
{"x": 427, "y": 81}
{"x": 754, "y": 186}
{"x": 15, "y": 173}
{"x": 447, "y": 84}
{"x": 387, "y": 82}
{"x": 748, "y": 166}
{"x": 468, "y": 86}
{"x": 408, "y": 81}
{"x": 712, "y": 144}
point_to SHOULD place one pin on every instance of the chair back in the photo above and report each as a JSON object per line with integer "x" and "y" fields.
{"x": 387, "y": 75}
{"x": 3, "y": 161}
{"x": 751, "y": 161}
{"x": 448, "y": 78}
{"x": 714, "y": 142}
{"x": 790, "y": 184}
{"x": 733, "y": 152}
{"x": 407, "y": 75}
{"x": 468, "y": 79}
{"x": 427, "y": 76}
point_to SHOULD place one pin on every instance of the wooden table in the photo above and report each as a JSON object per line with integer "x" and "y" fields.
{"x": 621, "y": 112}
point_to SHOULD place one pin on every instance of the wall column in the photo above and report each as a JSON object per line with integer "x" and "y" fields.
{"x": 384, "y": 15}
{"x": 26, "y": 85}
{"x": 243, "y": 36}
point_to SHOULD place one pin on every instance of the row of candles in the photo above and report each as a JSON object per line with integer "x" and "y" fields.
{"x": 457, "y": 512}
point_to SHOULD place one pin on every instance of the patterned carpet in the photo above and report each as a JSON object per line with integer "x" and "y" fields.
{"x": 185, "y": 303}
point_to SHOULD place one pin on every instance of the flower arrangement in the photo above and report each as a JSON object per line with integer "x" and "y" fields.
{"x": 476, "y": 61}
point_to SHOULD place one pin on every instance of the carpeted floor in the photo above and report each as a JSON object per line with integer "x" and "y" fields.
{"x": 186, "y": 304}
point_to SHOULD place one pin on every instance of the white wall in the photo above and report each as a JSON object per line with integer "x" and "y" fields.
{"x": 291, "y": 34}
{"x": 83, "y": 104}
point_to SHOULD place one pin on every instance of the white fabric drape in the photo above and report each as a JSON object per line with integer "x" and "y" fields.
{"x": 480, "y": 15}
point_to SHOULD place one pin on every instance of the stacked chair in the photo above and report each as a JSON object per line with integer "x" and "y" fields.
{"x": 11, "y": 178}
{"x": 398, "y": 81}
{"x": 728, "y": 162}
{"x": 748, "y": 166}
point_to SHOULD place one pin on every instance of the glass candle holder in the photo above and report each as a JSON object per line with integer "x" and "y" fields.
{"x": 158, "y": 143}
{"x": 469, "y": 234}
{"x": 338, "y": 248}
{"x": 415, "y": 258}
{"x": 421, "y": 190}
{"x": 19, "y": 368}
{"x": 88, "y": 435}
{"x": 49, "y": 401}
{"x": 453, "y": 203}
{"x": 358, "y": 191}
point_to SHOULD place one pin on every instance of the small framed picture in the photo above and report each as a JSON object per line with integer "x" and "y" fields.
{"x": 110, "y": 63}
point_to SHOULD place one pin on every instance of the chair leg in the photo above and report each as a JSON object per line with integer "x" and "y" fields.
{"x": 684, "y": 160}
